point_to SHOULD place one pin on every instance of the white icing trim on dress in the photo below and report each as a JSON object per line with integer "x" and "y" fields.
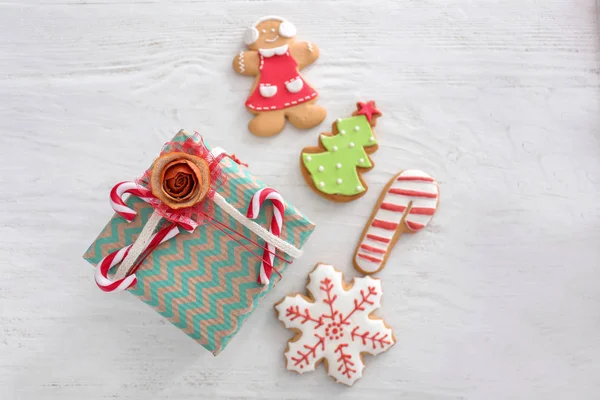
{"x": 281, "y": 50}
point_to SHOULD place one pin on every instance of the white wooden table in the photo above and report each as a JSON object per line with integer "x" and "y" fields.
{"x": 499, "y": 100}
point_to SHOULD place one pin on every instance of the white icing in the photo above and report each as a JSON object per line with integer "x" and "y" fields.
{"x": 308, "y": 158}
{"x": 371, "y": 139}
{"x": 281, "y": 50}
{"x": 342, "y": 132}
{"x": 334, "y": 148}
{"x": 361, "y": 160}
{"x": 294, "y": 85}
{"x": 357, "y": 128}
{"x": 267, "y": 90}
{"x": 328, "y": 332}
{"x": 322, "y": 184}
{"x": 321, "y": 168}
{"x": 358, "y": 188}
{"x": 272, "y": 40}
{"x": 272, "y": 29}
{"x": 339, "y": 120}
{"x": 338, "y": 165}
{"x": 339, "y": 181}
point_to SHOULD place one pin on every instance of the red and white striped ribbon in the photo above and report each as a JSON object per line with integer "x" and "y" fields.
{"x": 114, "y": 258}
{"x": 254, "y": 207}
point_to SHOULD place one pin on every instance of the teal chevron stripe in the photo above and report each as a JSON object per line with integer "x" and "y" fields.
{"x": 164, "y": 249}
{"x": 187, "y": 275}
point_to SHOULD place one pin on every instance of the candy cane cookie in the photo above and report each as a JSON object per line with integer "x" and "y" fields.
{"x": 406, "y": 204}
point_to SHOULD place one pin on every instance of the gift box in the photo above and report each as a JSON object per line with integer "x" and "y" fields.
{"x": 206, "y": 282}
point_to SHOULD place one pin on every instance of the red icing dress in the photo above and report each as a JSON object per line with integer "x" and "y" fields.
{"x": 280, "y": 86}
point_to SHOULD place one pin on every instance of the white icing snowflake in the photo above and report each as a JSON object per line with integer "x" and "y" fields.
{"x": 334, "y": 324}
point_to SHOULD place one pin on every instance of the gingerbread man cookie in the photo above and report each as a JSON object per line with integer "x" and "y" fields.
{"x": 334, "y": 324}
{"x": 279, "y": 91}
{"x": 333, "y": 169}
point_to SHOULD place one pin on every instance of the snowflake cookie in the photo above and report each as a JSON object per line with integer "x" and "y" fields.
{"x": 334, "y": 324}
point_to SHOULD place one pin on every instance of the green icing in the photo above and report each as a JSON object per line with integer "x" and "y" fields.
{"x": 334, "y": 171}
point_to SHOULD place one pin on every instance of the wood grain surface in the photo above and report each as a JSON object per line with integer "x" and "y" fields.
{"x": 498, "y": 100}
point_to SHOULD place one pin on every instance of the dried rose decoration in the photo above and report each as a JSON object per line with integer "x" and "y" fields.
{"x": 180, "y": 180}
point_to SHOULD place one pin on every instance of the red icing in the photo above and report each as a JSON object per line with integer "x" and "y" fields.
{"x": 294, "y": 313}
{"x": 415, "y": 226}
{"x": 415, "y": 193}
{"x": 390, "y": 226}
{"x": 359, "y": 306}
{"x": 416, "y": 178}
{"x": 375, "y": 339}
{"x": 372, "y": 248}
{"x": 392, "y": 207}
{"x": 367, "y": 109}
{"x": 276, "y": 71}
{"x": 327, "y": 287}
{"x": 378, "y": 238}
{"x": 368, "y": 257}
{"x": 345, "y": 361}
{"x": 312, "y": 352}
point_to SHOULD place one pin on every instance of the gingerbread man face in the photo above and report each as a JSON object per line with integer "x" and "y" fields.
{"x": 269, "y": 33}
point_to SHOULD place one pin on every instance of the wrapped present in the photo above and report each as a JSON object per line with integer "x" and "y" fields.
{"x": 199, "y": 239}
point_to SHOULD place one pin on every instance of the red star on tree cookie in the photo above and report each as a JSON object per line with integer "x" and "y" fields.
{"x": 368, "y": 110}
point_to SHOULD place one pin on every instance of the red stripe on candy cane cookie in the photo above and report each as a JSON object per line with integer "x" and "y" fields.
{"x": 415, "y": 226}
{"x": 377, "y": 238}
{"x": 416, "y": 178}
{"x": 392, "y": 207}
{"x": 369, "y": 258}
{"x": 390, "y": 226}
{"x": 372, "y": 249}
{"x": 414, "y": 193}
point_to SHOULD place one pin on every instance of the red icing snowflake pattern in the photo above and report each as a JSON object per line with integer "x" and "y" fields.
{"x": 335, "y": 324}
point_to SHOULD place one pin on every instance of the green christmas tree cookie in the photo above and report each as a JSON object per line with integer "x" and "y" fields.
{"x": 333, "y": 168}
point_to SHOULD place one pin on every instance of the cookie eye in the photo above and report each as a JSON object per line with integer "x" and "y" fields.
{"x": 272, "y": 29}
{"x": 264, "y": 31}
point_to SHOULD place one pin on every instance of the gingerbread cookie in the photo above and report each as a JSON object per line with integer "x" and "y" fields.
{"x": 406, "y": 204}
{"x": 333, "y": 169}
{"x": 334, "y": 323}
{"x": 279, "y": 91}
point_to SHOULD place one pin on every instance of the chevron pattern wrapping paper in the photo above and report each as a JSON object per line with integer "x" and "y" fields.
{"x": 204, "y": 282}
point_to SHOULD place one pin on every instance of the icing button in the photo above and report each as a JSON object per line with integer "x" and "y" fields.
{"x": 371, "y": 139}
{"x": 322, "y": 184}
{"x": 321, "y": 168}
{"x": 339, "y": 181}
{"x": 339, "y": 120}
{"x": 362, "y": 160}
{"x": 334, "y": 148}
{"x": 358, "y": 188}
{"x": 357, "y": 128}
{"x": 308, "y": 158}
{"x": 342, "y": 132}
{"x": 351, "y": 145}
{"x": 338, "y": 165}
